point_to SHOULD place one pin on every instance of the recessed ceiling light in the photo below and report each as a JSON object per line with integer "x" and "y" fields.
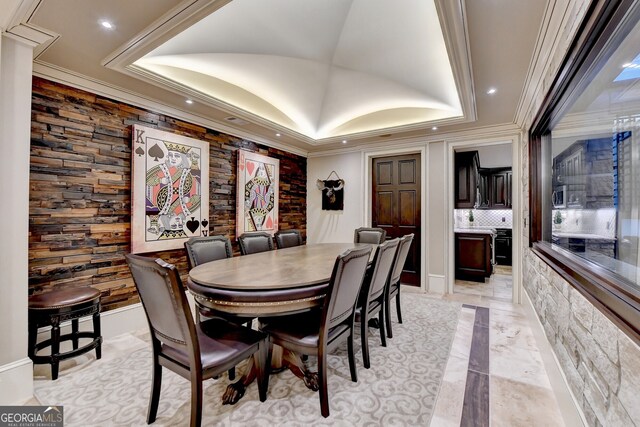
{"x": 106, "y": 24}
{"x": 189, "y": 101}
{"x": 344, "y": 141}
{"x": 491, "y": 91}
{"x": 434, "y": 128}
{"x": 277, "y": 134}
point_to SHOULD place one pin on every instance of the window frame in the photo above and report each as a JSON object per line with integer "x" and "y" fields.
{"x": 605, "y": 25}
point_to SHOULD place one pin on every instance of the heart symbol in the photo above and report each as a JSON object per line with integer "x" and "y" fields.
{"x": 193, "y": 224}
{"x": 204, "y": 223}
{"x": 250, "y": 167}
{"x": 269, "y": 223}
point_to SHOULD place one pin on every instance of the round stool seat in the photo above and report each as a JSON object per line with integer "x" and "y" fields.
{"x": 63, "y": 298}
{"x": 53, "y": 308}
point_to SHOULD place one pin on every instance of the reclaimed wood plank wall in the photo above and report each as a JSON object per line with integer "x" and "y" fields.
{"x": 80, "y": 193}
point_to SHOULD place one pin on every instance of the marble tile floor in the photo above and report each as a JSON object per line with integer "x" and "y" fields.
{"x": 499, "y": 286}
{"x": 519, "y": 390}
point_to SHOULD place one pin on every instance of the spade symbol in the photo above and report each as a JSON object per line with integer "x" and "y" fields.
{"x": 193, "y": 224}
{"x": 156, "y": 152}
{"x": 205, "y": 223}
{"x": 205, "y": 233}
{"x": 139, "y": 151}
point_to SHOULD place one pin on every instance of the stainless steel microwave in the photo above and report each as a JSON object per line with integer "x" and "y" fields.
{"x": 559, "y": 197}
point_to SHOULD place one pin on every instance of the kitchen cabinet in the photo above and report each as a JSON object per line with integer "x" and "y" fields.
{"x": 483, "y": 188}
{"x": 500, "y": 189}
{"x": 466, "y": 179}
{"x": 503, "y": 246}
{"x": 473, "y": 256}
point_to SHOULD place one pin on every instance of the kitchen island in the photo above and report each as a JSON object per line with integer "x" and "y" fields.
{"x": 474, "y": 251}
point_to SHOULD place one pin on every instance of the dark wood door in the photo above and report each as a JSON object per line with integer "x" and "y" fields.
{"x": 396, "y": 205}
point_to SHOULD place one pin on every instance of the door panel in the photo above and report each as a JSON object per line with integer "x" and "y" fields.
{"x": 396, "y": 205}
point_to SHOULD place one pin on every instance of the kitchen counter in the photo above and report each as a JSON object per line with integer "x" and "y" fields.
{"x": 581, "y": 236}
{"x": 477, "y": 230}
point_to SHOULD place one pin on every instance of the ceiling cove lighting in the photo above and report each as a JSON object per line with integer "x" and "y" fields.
{"x": 106, "y": 24}
{"x": 491, "y": 91}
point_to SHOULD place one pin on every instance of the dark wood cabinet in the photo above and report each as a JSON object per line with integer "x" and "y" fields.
{"x": 466, "y": 179}
{"x": 500, "y": 187}
{"x": 473, "y": 256}
{"x": 503, "y": 246}
{"x": 484, "y": 175}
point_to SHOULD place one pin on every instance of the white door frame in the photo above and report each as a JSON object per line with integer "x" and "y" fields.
{"x": 516, "y": 199}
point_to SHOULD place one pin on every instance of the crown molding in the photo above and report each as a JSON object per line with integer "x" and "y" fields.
{"x": 507, "y": 131}
{"x": 61, "y": 75}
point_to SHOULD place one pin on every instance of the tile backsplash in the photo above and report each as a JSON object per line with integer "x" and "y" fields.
{"x": 586, "y": 221}
{"x": 497, "y": 218}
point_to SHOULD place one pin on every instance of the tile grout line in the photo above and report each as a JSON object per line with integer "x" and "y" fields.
{"x": 475, "y": 408}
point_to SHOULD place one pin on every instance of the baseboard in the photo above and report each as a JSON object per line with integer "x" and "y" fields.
{"x": 16, "y": 382}
{"x": 113, "y": 323}
{"x": 437, "y": 284}
{"x": 569, "y": 408}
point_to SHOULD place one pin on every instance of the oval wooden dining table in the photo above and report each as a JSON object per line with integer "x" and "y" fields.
{"x": 266, "y": 284}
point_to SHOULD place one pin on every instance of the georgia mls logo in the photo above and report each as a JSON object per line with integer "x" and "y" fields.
{"x": 31, "y": 416}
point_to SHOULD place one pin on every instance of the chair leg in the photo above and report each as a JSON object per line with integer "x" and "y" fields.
{"x": 74, "y": 333}
{"x": 322, "y": 383}
{"x": 262, "y": 360}
{"x": 352, "y": 359}
{"x": 196, "y": 399}
{"x": 154, "y": 400}
{"x": 398, "y": 305}
{"x": 33, "y": 338}
{"x": 387, "y": 316}
{"x": 97, "y": 332}
{"x": 383, "y": 332}
{"x": 364, "y": 337}
{"x": 55, "y": 347}
{"x": 232, "y": 373}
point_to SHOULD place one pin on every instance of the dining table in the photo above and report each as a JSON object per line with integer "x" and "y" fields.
{"x": 266, "y": 284}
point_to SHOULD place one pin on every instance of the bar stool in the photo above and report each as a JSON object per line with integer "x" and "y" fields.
{"x": 55, "y": 307}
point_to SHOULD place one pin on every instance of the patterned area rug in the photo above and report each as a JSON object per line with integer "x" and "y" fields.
{"x": 400, "y": 388}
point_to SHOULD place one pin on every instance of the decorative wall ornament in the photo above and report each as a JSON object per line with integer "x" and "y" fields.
{"x": 169, "y": 189}
{"x": 257, "y": 193}
{"x": 332, "y": 193}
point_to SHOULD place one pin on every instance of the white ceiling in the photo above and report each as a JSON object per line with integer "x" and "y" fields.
{"x": 322, "y": 69}
{"x": 309, "y": 69}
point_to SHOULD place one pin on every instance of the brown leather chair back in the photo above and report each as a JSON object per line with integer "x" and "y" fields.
{"x": 382, "y": 265}
{"x": 253, "y": 243}
{"x": 344, "y": 287}
{"x": 205, "y": 249}
{"x": 288, "y": 238}
{"x": 164, "y": 302}
{"x": 401, "y": 257}
{"x": 369, "y": 235}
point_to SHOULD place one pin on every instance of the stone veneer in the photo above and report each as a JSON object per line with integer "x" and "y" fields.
{"x": 601, "y": 364}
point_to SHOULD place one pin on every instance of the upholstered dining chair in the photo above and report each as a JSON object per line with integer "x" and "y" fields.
{"x": 320, "y": 331}
{"x": 288, "y": 238}
{"x": 253, "y": 243}
{"x": 373, "y": 235}
{"x": 393, "y": 287}
{"x": 193, "y": 351}
{"x": 206, "y": 249}
{"x": 372, "y": 295}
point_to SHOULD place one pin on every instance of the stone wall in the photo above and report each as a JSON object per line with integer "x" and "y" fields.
{"x": 601, "y": 364}
{"x": 80, "y": 195}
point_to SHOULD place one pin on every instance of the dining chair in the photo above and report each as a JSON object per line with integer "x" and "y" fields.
{"x": 253, "y": 243}
{"x": 373, "y": 235}
{"x": 372, "y": 295}
{"x": 288, "y": 238}
{"x": 318, "y": 332}
{"x": 194, "y": 351}
{"x": 393, "y": 287}
{"x": 206, "y": 249}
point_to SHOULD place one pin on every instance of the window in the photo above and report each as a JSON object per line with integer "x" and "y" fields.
{"x": 585, "y": 165}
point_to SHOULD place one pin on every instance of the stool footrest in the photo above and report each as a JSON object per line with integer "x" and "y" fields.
{"x": 68, "y": 354}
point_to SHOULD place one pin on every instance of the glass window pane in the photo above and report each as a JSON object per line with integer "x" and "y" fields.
{"x": 595, "y": 168}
